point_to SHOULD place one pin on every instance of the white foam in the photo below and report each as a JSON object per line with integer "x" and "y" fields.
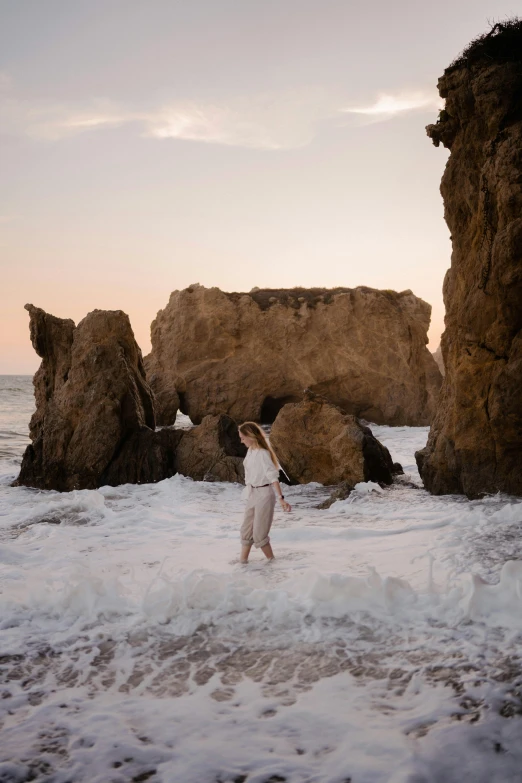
{"x": 129, "y": 616}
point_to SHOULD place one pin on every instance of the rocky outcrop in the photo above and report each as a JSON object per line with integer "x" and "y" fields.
{"x": 247, "y": 355}
{"x": 144, "y": 457}
{"x": 317, "y": 441}
{"x": 475, "y": 441}
{"x": 341, "y": 492}
{"x": 94, "y": 422}
{"x": 212, "y": 451}
{"x": 91, "y": 396}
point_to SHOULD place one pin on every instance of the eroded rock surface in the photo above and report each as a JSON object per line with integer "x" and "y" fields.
{"x": 475, "y": 441}
{"x": 94, "y": 422}
{"x": 212, "y": 451}
{"x": 247, "y": 355}
{"x": 317, "y": 441}
{"x": 92, "y": 397}
{"x": 145, "y": 456}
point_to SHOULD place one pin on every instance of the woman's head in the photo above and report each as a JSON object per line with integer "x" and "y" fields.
{"x": 253, "y": 437}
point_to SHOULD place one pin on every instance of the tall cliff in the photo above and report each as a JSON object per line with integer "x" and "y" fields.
{"x": 475, "y": 441}
{"x": 247, "y": 355}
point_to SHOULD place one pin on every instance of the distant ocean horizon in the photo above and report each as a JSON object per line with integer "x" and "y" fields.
{"x": 16, "y": 408}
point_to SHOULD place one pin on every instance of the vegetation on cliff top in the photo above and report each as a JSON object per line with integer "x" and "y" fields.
{"x": 503, "y": 43}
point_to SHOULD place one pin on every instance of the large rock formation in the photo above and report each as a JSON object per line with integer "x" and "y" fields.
{"x": 475, "y": 442}
{"x": 247, "y": 355}
{"x": 317, "y": 441}
{"x": 144, "y": 457}
{"x": 94, "y": 420}
{"x": 91, "y": 395}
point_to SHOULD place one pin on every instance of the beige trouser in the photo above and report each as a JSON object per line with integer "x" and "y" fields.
{"x": 259, "y": 513}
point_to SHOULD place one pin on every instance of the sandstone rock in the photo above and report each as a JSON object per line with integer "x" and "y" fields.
{"x": 475, "y": 441}
{"x": 165, "y": 400}
{"x": 94, "y": 420}
{"x": 92, "y": 403}
{"x": 145, "y": 456}
{"x": 212, "y": 451}
{"x": 317, "y": 441}
{"x": 247, "y": 355}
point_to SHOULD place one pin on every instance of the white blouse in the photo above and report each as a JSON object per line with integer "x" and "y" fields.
{"x": 259, "y": 468}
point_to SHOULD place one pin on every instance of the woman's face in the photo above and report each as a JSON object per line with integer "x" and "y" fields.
{"x": 246, "y": 441}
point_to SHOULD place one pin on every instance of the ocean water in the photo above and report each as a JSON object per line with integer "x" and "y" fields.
{"x": 382, "y": 644}
{"x": 16, "y": 408}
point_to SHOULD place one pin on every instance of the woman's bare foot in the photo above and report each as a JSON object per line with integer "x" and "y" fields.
{"x": 267, "y": 551}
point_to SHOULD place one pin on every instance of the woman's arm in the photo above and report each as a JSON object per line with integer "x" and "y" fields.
{"x": 279, "y": 494}
{"x": 272, "y": 476}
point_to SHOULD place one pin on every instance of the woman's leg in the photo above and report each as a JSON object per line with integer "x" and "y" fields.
{"x": 263, "y": 518}
{"x": 247, "y": 538}
{"x": 245, "y": 551}
{"x": 267, "y": 551}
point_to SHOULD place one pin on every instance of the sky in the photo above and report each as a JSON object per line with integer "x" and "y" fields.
{"x": 149, "y": 144}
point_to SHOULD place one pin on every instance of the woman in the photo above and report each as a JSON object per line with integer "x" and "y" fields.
{"x": 262, "y": 485}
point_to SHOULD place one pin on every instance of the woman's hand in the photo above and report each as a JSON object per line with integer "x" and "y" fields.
{"x": 279, "y": 494}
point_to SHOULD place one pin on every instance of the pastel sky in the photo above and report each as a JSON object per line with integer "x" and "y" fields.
{"x": 149, "y": 144}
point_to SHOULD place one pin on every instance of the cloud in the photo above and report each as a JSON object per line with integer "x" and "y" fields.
{"x": 267, "y": 121}
{"x": 89, "y": 121}
{"x": 218, "y": 125}
{"x": 284, "y": 120}
{"x": 387, "y": 106}
{"x": 53, "y": 122}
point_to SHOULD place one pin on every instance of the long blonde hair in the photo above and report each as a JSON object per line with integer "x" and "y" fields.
{"x": 252, "y": 430}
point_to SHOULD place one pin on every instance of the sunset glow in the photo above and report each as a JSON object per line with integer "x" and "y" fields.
{"x": 145, "y": 147}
